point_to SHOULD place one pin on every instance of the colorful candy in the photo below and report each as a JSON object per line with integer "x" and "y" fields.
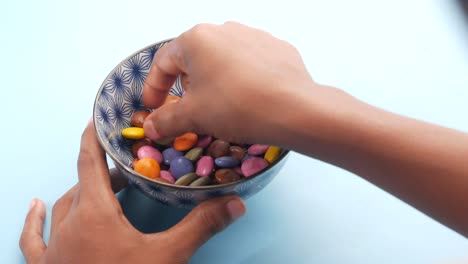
{"x": 186, "y": 141}
{"x": 133, "y": 133}
{"x": 149, "y": 152}
{"x": 205, "y": 166}
{"x": 193, "y": 160}
{"x": 147, "y": 167}
{"x": 226, "y": 162}
{"x": 272, "y": 154}
{"x": 138, "y": 118}
{"x": 180, "y": 166}
{"x": 253, "y": 165}
{"x": 218, "y": 148}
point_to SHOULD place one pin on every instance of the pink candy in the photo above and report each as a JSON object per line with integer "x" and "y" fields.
{"x": 149, "y": 152}
{"x": 204, "y": 166}
{"x": 253, "y": 165}
{"x": 166, "y": 176}
{"x": 257, "y": 149}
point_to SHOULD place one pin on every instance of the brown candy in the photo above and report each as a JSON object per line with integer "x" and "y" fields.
{"x": 226, "y": 176}
{"x": 138, "y": 118}
{"x": 218, "y": 148}
{"x": 236, "y": 152}
{"x": 140, "y": 143}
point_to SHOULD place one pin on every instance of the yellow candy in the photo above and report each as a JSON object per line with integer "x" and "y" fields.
{"x": 133, "y": 133}
{"x": 272, "y": 153}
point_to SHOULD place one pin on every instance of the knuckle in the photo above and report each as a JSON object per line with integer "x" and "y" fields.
{"x": 213, "y": 221}
{"x": 201, "y": 31}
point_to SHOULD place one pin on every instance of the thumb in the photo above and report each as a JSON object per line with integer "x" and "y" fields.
{"x": 169, "y": 120}
{"x": 205, "y": 221}
{"x": 31, "y": 243}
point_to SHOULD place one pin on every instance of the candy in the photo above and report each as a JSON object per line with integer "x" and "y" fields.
{"x": 204, "y": 166}
{"x": 223, "y": 176}
{"x": 148, "y": 167}
{"x": 226, "y": 162}
{"x": 222, "y": 162}
{"x": 164, "y": 141}
{"x": 186, "y": 179}
{"x": 218, "y": 148}
{"x": 140, "y": 143}
{"x": 164, "y": 174}
{"x": 194, "y": 154}
{"x": 180, "y": 166}
{"x": 204, "y": 141}
{"x": 257, "y": 149}
{"x": 138, "y": 118}
{"x": 238, "y": 171}
{"x": 133, "y": 133}
{"x": 186, "y": 141}
{"x": 149, "y": 152}
{"x": 272, "y": 154}
{"x": 201, "y": 181}
{"x": 253, "y": 165}
{"x": 170, "y": 154}
{"x": 236, "y": 152}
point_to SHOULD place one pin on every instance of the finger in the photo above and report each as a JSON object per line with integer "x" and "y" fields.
{"x": 62, "y": 206}
{"x": 118, "y": 181}
{"x": 168, "y": 63}
{"x": 92, "y": 167}
{"x": 168, "y": 121}
{"x": 31, "y": 242}
{"x": 205, "y": 221}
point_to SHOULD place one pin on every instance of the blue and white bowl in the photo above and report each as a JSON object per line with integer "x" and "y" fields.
{"x": 118, "y": 98}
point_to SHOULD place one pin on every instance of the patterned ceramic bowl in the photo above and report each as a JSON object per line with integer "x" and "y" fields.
{"x": 118, "y": 98}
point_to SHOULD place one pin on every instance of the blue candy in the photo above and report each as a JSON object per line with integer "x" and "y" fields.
{"x": 170, "y": 154}
{"x": 227, "y": 162}
{"x": 181, "y": 166}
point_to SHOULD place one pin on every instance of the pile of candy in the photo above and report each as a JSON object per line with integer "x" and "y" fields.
{"x": 194, "y": 160}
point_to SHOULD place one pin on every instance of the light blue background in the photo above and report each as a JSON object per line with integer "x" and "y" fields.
{"x": 410, "y": 57}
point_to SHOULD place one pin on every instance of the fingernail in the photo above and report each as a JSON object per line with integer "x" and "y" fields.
{"x": 150, "y": 130}
{"x": 236, "y": 208}
{"x": 32, "y": 204}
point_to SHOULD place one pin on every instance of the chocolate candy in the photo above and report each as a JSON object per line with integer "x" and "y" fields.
{"x": 223, "y": 176}
{"x": 218, "y": 148}
{"x": 138, "y": 118}
{"x": 180, "y": 166}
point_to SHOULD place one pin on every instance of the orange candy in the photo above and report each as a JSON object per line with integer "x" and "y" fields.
{"x": 186, "y": 141}
{"x": 147, "y": 167}
{"x": 172, "y": 99}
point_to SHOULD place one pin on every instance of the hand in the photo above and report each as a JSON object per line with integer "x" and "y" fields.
{"x": 234, "y": 75}
{"x": 88, "y": 225}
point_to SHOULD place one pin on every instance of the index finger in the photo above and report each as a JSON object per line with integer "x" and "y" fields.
{"x": 93, "y": 172}
{"x": 168, "y": 64}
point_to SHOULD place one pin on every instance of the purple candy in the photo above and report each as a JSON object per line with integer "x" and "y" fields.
{"x": 257, "y": 149}
{"x": 204, "y": 141}
{"x": 180, "y": 166}
{"x": 170, "y": 154}
{"x": 227, "y": 162}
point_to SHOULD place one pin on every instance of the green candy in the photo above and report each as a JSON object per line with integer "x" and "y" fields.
{"x": 202, "y": 181}
{"x": 194, "y": 154}
{"x": 186, "y": 179}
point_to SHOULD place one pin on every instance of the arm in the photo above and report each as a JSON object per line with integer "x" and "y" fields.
{"x": 423, "y": 164}
{"x": 260, "y": 84}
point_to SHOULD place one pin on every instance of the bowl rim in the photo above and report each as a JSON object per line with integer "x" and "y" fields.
{"x": 121, "y": 165}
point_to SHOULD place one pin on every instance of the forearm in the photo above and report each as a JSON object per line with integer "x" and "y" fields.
{"x": 422, "y": 164}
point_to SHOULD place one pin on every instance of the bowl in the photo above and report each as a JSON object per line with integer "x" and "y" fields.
{"x": 119, "y": 96}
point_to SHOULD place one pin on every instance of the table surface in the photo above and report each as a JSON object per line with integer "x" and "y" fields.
{"x": 410, "y": 57}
